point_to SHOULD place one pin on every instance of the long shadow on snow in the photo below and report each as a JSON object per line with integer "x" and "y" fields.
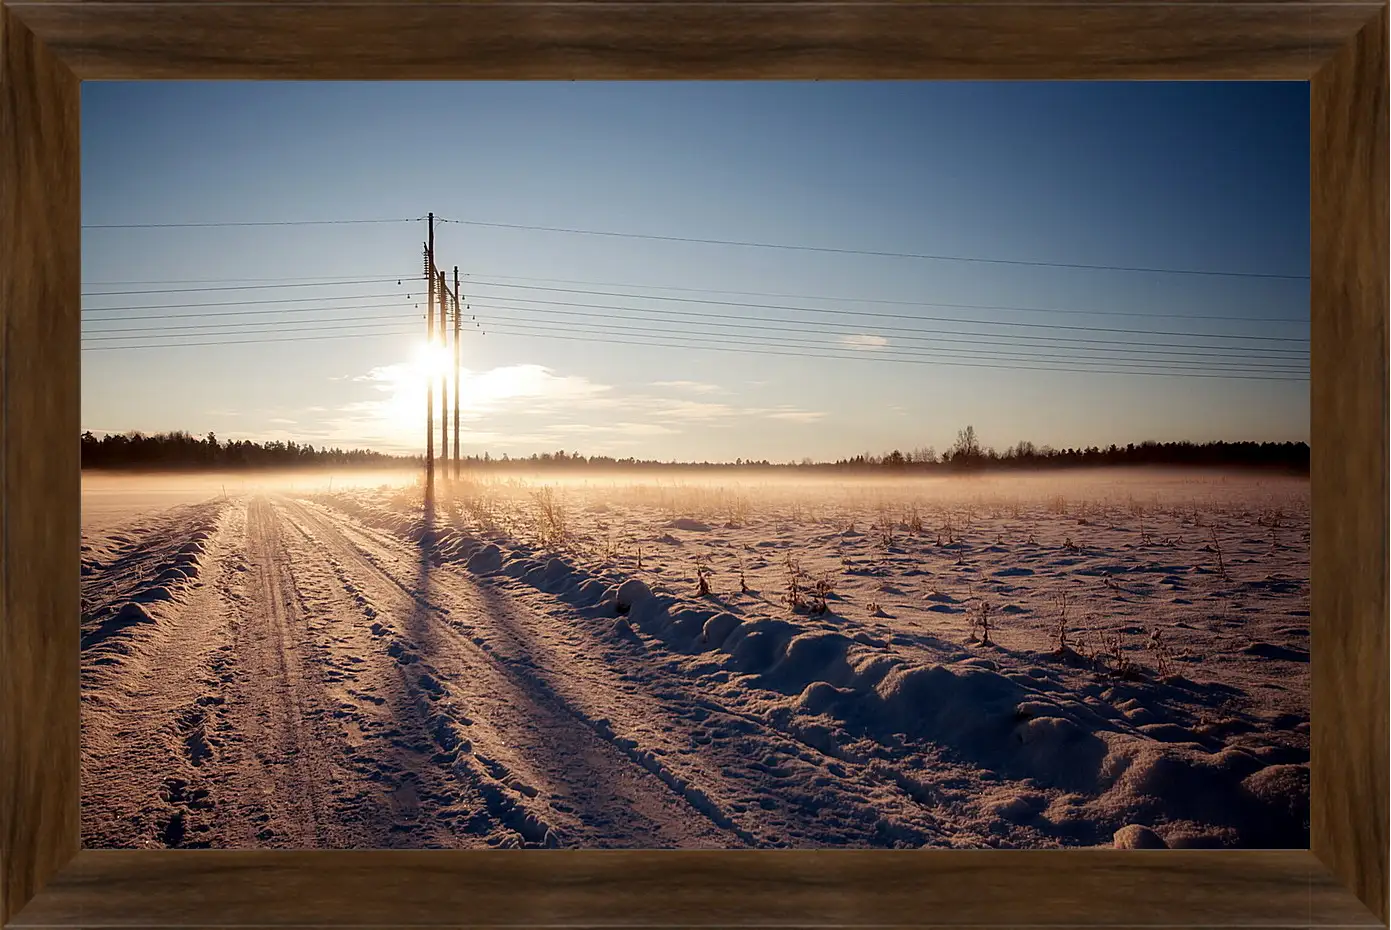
{"x": 526, "y": 674}
{"x": 525, "y": 666}
{"x": 409, "y": 698}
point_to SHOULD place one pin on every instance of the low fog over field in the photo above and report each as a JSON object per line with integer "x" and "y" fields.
{"x": 710, "y": 660}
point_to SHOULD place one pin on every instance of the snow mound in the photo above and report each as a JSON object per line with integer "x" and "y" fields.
{"x": 557, "y": 572}
{"x": 1135, "y": 836}
{"x": 1168, "y": 733}
{"x": 955, "y": 706}
{"x": 590, "y": 592}
{"x": 632, "y": 593}
{"x": 1284, "y": 790}
{"x": 816, "y": 657}
{"x": 686, "y": 627}
{"x": 718, "y": 628}
{"x": 130, "y": 615}
{"x": 487, "y": 559}
{"x": 756, "y": 644}
{"x": 821, "y": 697}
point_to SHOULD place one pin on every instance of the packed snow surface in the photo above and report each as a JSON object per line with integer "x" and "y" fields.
{"x": 1117, "y": 659}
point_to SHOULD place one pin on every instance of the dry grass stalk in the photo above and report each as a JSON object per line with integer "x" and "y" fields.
{"x": 1060, "y": 628}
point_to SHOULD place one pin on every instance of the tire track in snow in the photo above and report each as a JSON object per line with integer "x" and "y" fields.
{"x": 609, "y": 795}
{"x": 284, "y": 782}
{"x": 152, "y": 684}
{"x": 416, "y": 739}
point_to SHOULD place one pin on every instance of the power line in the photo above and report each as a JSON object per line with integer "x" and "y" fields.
{"x": 863, "y": 300}
{"x": 252, "y": 287}
{"x": 194, "y": 316}
{"x": 697, "y": 342}
{"x": 1214, "y": 360}
{"x": 311, "y": 278}
{"x": 1059, "y": 343}
{"x": 934, "y": 353}
{"x": 162, "y": 329}
{"x": 548, "y": 333}
{"x": 417, "y": 219}
{"x": 878, "y": 253}
{"x": 904, "y": 316}
{"x": 783, "y": 307}
{"x": 244, "y": 342}
{"x": 1115, "y": 347}
{"x": 332, "y": 281}
{"x": 916, "y": 351}
{"x": 241, "y": 332}
{"x": 701, "y": 341}
{"x": 740, "y": 322}
{"x": 246, "y": 303}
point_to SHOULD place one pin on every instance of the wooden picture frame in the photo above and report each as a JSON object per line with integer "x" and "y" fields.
{"x": 47, "y": 47}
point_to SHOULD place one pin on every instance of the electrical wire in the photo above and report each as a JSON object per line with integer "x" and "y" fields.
{"x": 878, "y": 253}
{"x": 203, "y": 326}
{"x": 511, "y": 329}
{"x": 244, "y": 342}
{"x": 244, "y": 332}
{"x": 418, "y": 219}
{"x": 925, "y": 336}
{"x": 1210, "y": 360}
{"x": 327, "y": 279}
{"x": 393, "y": 319}
{"x": 251, "y": 287}
{"x": 906, "y": 316}
{"x": 863, "y": 300}
{"x": 193, "y": 316}
{"x": 923, "y": 352}
{"x": 701, "y": 340}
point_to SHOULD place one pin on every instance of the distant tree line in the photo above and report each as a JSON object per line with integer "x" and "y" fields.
{"x": 182, "y": 451}
{"x": 967, "y": 454}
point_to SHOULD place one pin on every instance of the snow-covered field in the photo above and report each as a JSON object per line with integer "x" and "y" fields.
{"x": 718, "y": 661}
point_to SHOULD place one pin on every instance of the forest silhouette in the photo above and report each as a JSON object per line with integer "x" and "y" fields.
{"x": 181, "y": 451}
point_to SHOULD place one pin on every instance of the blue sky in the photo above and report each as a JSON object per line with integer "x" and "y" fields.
{"x": 1191, "y": 176}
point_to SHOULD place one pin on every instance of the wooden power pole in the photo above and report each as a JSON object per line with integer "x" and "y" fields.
{"x": 430, "y": 342}
{"x": 444, "y": 383}
{"x": 458, "y": 313}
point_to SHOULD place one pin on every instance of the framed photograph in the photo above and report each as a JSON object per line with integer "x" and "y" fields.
{"x": 693, "y": 464}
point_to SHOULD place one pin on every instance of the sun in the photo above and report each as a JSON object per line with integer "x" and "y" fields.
{"x": 431, "y": 360}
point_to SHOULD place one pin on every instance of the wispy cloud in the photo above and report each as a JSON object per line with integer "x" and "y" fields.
{"x": 797, "y": 416}
{"x": 695, "y": 387}
{"x": 693, "y": 410}
{"x": 619, "y": 429}
{"x": 864, "y": 341}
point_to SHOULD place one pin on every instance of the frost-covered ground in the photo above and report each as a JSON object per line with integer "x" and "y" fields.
{"x": 535, "y": 664}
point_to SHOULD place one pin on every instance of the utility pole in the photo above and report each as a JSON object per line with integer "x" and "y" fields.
{"x": 430, "y": 342}
{"x": 458, "y": 313}
{"x": 444, "y": 380}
